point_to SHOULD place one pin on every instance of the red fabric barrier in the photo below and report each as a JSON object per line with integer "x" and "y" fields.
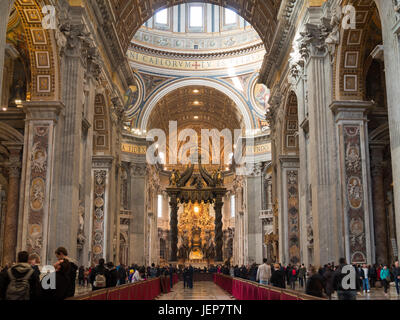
{"x": 100, "y": 296}
{"x": 263, "y": 294}
{"x": 246, "y": 290}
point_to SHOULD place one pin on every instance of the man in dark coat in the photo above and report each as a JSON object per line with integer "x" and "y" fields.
{"x": 190, "y": 276}
{"x": 328, "y": 278}
{"x": 121, "y": 274}
{"x": 62, "y": 255}
{"x": 278, "y": 277}
{"x": 112, "y": 275}
{"x": 315, "y": 284}
{"x": 345, "y": 293}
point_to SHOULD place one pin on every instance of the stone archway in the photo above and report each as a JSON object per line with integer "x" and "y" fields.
{"x": 171, "y": 86}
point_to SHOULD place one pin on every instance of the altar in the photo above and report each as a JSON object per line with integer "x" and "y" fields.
{"x": 196, "y": 235}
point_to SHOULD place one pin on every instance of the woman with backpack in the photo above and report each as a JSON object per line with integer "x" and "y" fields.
{"x": 98, "y": 276}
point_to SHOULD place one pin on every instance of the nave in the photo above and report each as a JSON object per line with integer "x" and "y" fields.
{"x": 202, "y": 290}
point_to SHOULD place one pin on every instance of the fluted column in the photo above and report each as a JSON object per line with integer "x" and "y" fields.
{"x": 390, "y": 18}
{"x": 11, "y": 218}
{"x": 378, "y": 198}
{"x": 68, "y": 156}
{"x": 174, "y": 228}
{"x": 218, "y": 228}
{"x": 321, "y": 159}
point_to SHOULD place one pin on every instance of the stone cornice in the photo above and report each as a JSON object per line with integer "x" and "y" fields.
{"x": 351, "y": 105}
{"x": 281, "y": 41}
{"x": 102, "y": 162}
{"x": 197, "y": 56}
{"x": 43, "y": 110}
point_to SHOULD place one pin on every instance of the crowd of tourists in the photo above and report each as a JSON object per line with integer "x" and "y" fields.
{"x": 25, "y": 280}
{"x": 320, "y": 282}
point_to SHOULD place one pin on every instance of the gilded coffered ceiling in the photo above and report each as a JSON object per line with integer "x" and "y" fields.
{"x": 196, "y": 108}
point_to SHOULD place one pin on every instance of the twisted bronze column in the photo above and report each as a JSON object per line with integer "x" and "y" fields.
{"x": 218, "y": 229}
{"x": 174, "y": 228}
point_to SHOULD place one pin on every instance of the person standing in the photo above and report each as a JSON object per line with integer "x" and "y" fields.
{"x": 345, "y": 293}
{"x": 152, "y": 272}
{"x": 364, "y": 276}
{"x": 185, "y": 278}
{"x": 112, "y": 275}
{"x": 136, "y": 274}
{"x": 121, "y": 274}
{"x": 278, "y": 277}
{"x": 62, "y": 255}
{"x": 328, "y": 280}
{"x": 293, "y": 277}
{"x": 264, "y": 273}
{"x": 81, "y": 276}
{"x": 190, "y": 276}
{"x": 385, "y": 278}
{"x": 302, "y": 275}
{"x": 315, "y": 284}
{"x": 20, "y": 282}
{"x": 396, "y": 274}
{"x": 98, "y": 276}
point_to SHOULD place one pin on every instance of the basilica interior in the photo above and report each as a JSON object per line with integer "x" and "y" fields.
{"x": 299, "y": 98}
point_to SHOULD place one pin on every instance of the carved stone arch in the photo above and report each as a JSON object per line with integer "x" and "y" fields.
{"x": 9, "y": 134}
{"x": 101, "y": 125}
{"x": 44, "y": 81}
{"x": 350, "y": 59}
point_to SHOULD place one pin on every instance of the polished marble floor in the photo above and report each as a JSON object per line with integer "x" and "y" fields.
{"x": 202, "y": 290}
{"x": 375, "y": 294}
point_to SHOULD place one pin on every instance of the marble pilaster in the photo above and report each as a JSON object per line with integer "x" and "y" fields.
{"x": 42, "y": 131}
{"x": 354, "y": 177}
{"x": 11, "y": 217}
{"x": 137, "y": 205}
{"x": 101, "y": 216}
{"x": 289, "y": 219}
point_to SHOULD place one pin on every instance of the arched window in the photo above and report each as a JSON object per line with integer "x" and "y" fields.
{"x": 159, "y": 206}
{"x": 161, "y": 17}
{"x": 196, "y": 16}
{"x": 233, "y": 206}
{"x": 230, "y": 17}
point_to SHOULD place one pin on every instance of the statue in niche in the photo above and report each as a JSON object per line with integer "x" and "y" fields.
{"x": 81, "y": 230}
